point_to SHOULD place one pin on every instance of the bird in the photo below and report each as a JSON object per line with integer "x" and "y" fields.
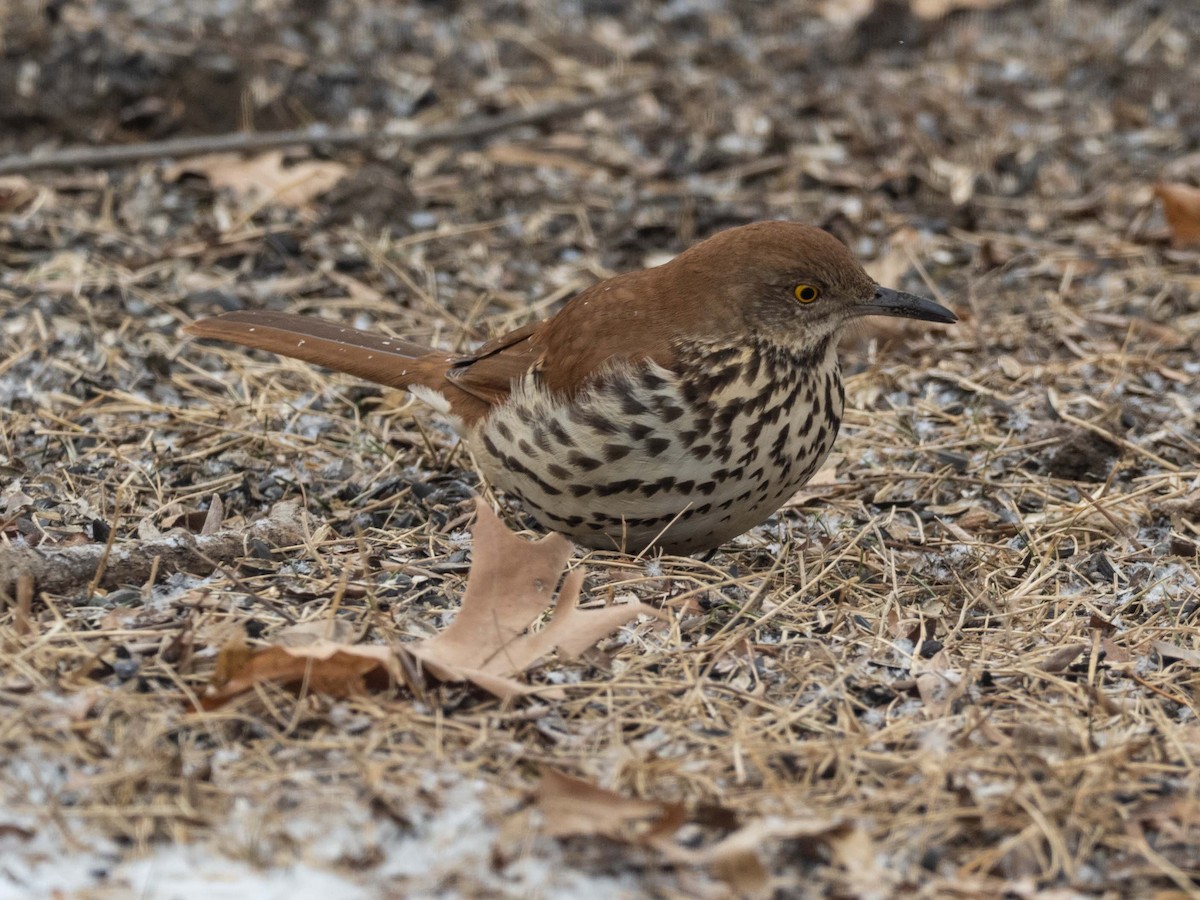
{"x": 671, "y": 408}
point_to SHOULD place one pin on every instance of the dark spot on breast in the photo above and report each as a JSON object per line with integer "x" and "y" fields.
{"x": 669, "y": 413}
{"x": 560, "y": 434}
{"x": 613, "y": 452}
{"x": 700, "y": 451}
{"x": 618, "y": 487}
{"x": 558, "y": 471}
{"x": 748, "y": 457}
{"x": 651, "y": 381}
{"x": 587, "y": 463}
{"x": 638, "y": 431}
{"x": 597, "y": 422}
{"x": 515, "y": 465}
{"x": 631, "y": 405}
{"x": 655, "y": 446}
{"x": 663, "y": 484}
{"x": 750, "y": 369}
{"x": 504, "y": 430}
{"x": 527, "y": 448}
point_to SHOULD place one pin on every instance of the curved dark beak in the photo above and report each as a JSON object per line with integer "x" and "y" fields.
{"x": 887, "y": 302}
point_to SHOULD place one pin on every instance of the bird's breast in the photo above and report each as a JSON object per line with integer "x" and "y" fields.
{"x": 685, "y": 459}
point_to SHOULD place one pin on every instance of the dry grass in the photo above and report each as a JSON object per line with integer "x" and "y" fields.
{"x": 979, "y": 643}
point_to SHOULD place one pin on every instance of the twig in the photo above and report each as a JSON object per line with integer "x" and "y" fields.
{"x": 66, "y": 569}
{"x": 480, "y": 126}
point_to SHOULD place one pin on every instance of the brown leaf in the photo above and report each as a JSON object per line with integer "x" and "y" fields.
{"x": 936, "y": 9}
{"x": 1061, "y": 658}
{"x": 1181, "y": 206}
{"x": 16, "y": 191}
{"x": 214, "y": 517}
{"x": 573, "y": 807}
{"x": 939, "y": 684}
{"x": 233, "y": 656}
{"x": 511, "y": 583}
{"x": 324, "y": 667}
{"x": 1170, "y": 653}
{"x": 263, "y": 178}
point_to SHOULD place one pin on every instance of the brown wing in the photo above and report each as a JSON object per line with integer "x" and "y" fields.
{"x": 627, "y": 318}
{"x": 618, "y": 319}
{"x": 489, "y": 372}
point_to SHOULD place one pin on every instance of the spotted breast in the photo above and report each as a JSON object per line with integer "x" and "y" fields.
{"x": 683, "y": 460}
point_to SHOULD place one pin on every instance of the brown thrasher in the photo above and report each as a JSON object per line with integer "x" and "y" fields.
{"x": 677, "y": 406}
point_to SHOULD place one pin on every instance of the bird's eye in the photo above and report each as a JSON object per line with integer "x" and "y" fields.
{"x": 806, "y": 293}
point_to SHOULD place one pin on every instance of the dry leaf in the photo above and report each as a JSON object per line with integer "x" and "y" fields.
{"x": 305, "y": 634}
{"x": 324, "y": 667}
{"x": 1181, "y": 206}
{"x": 572, "y": 807}
{"x": 895, "y": 258}
{"x": 845, "y": 13}
{"x": 939, "y": 684}
{"x": 1061, "y": 658}
{"x": 511, "y": 583}
{"x": 214, "y": 517}
{"x": 1170, "y": 653}
{"x": 264, "y": 177}
{"x": 936, "y": 9}
{"x": 16, "y": 191}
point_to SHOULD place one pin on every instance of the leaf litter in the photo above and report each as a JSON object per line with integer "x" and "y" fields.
{"x": 961, "y": 663}
{"x": 511, "y": 584}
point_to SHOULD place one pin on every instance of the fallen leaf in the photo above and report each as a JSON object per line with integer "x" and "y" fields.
{"x": 305, "y": 634}
{"x": 511, "y": 583}
{"x": 16, "y": 191}
{"x": 852, "y": 848}
{"x": 1061, "y": 658}
{"x": 573, "y": 807}
{"x": 844, "y": 13}
{"x": 1181, "y": 206}
{"x": 936, "y": 9}
{"x": 214, "y": 517}
{"x": 895, "y": 258}
{"x": 324, "y": 667}
{"x": 939, "y": 684}
{"x": 263, "y": 178}
{"x": 1170, "y": 653}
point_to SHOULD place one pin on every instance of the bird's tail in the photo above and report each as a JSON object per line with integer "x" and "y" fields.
{"x": 384, "y": 360}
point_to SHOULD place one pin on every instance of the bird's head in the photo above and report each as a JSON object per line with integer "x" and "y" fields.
{"x": 791, "y": 283}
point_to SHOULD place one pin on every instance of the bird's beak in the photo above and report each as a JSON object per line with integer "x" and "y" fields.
{"x": 887, "y": 302}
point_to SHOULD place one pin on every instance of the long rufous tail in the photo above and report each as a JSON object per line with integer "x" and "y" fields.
{"x": 384, "y": 360}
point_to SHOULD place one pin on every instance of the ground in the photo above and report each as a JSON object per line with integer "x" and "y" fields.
{"x": 965, "y": 661}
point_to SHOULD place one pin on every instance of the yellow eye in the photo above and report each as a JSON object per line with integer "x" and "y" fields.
{"x": 806, "y": 293}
